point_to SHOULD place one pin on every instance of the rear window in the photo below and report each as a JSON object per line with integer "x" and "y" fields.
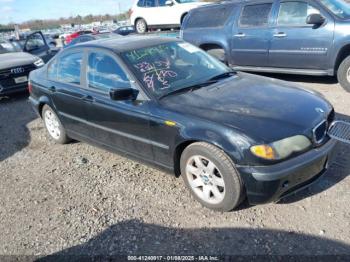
{"x": 255, "y": 15}
{"x": 209, "y": 17}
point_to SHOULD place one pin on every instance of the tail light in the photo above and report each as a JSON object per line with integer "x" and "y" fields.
{"x": 30, "y": 87}
{"x": 130, "y": 12}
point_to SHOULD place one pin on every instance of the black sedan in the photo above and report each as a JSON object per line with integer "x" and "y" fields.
{"x": 230, "y": 135}
{"x": 125, "y": 30}
{"x": 15, "y": 67}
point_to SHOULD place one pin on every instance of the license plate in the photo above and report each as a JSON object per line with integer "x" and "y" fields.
{"x": 21, "y": 79}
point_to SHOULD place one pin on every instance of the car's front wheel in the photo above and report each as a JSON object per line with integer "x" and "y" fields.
{"x": 344, "y": 74}
{"x": 210, "y": 175}
{"x": 141, "y": 26}
{"x": 54, "y": 125}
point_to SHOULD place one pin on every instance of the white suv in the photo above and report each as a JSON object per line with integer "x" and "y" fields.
{"x": 155, "y": 14}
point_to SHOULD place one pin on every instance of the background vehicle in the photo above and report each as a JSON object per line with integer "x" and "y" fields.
{"x": 298, "y": 37}
{"x": 15, "y": 67}
{"x": 72, "y": 36}
{"x": 125, "y": 30}
{"x": 91, "y": 37}
{"x": 151, "y": 14}
{"x": 168, "y": 103}
{"x": 36, "y": 44}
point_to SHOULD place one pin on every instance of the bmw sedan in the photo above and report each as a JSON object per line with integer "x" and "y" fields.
{"x": 230, "y": 135}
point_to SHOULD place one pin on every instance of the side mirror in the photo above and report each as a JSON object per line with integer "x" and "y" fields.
{"x": 315, "y": 19}
{"x": 169, "y": 3}
{"x": 122, "y": 94}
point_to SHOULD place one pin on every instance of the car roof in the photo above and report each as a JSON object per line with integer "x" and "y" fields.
{"x": 123, "y": 44}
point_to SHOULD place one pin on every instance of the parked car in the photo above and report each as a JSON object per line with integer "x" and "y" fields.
{"x": 155, "y": 14}
{"x": 125, "y": 30}
{"x": 74, "y": 35}
{"x": 15, "y": 67}
{"x": 297, "y": 37}
{"x": 170, "y": 104}
{"x": 90, "y": 37}
{"x": 36, "y": 44}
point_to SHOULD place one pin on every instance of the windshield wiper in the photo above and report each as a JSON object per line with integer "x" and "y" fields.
{"x": 189, "y": 88}
{"x": 223, "y": 75}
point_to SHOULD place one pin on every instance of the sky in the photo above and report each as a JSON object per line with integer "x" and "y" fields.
{"x": 18, "y": 11}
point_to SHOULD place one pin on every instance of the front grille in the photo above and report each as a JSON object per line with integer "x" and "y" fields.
{"x": 7, "y": 78}
{"x": 6, "y": 73}
{"x": 319, "y": 132}
{"x": 340, "y": 130}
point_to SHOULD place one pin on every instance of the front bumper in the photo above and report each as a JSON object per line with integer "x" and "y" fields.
{"x": 7, "y": 90}
{"x": 270, "y": 183}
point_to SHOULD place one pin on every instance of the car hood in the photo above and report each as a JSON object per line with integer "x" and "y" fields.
{"x": 10, "y": 60}
{"x": 265, "y": 109}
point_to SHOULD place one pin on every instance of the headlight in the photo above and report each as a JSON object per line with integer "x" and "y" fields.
{"x": 281, "y": 149}
{"x": 39, "y": 63}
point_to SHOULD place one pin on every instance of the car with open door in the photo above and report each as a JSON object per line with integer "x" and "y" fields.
{"x": 15, "y": 67}
{"x": 230, "y": 135}
{"x": 36, "y": 44}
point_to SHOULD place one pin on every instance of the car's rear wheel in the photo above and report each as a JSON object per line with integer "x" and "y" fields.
{"x": 141, "y": 26}
{"x": 211, "y": 177}
{"x": 54, "y": 125}
{"x": 344, "y": 74}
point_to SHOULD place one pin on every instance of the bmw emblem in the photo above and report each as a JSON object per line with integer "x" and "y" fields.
{"x": 319, "y": 110}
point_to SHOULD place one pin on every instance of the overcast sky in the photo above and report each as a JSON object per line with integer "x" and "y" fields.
{"x": 22, "y": 10}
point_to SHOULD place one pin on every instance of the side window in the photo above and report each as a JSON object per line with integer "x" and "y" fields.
{"x": 52, "y": 70}
{"x": 103, "y": 73}
{"x": 295, "y": 13}
{"x": 161, "y": 2}
{"x": 141, "y": 3}
{"x": 149, "y": 3}
{"x": 34, "y": 42}
{"x": 69, "y": 68}
{"x": 255, "y": 15}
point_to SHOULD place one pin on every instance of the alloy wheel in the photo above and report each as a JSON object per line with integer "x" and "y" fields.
{"x": 205, "y": 179}
{"x": 140, "y": 26}
{"x": 52, "y": 124}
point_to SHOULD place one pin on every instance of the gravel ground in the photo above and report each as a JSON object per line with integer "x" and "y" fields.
{"x": 80, "y": 200}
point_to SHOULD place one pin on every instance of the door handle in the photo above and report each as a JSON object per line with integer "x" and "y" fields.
{"x": 239, "y": 35}
{"x": 52, "y": 89}
{"x": 87, "y": 98}
{"x": 280, "y": 34}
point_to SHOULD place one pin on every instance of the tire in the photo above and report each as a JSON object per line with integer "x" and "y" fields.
{"x": 54, "y": 126}
{"x": 226, "y": 190}
{"x": 182, "y": 19}
{"x": 344, "y": 74}
{"x": 218, "y": 53}
{"x": 141, "y": 26}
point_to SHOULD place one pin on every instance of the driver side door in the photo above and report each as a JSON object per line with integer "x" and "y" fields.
{"x": 36, "y": 45}
{"x": 119, "y": 125}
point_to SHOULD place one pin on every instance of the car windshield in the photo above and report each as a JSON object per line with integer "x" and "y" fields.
{"x": 7, "y": 47}
{"x": 167, "y": 68}
{"x": 338, "y": 7}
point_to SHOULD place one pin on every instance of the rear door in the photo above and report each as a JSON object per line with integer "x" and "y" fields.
{"x": 123, "y": 125}
{"x": 296, "y": 44}
{"x": 65, "y": 83}
{"x": 251, "y": 35}
{"x": 168, "y": 14}
{"x": 149, "y": 11}
{"x": 36, "y": 44}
